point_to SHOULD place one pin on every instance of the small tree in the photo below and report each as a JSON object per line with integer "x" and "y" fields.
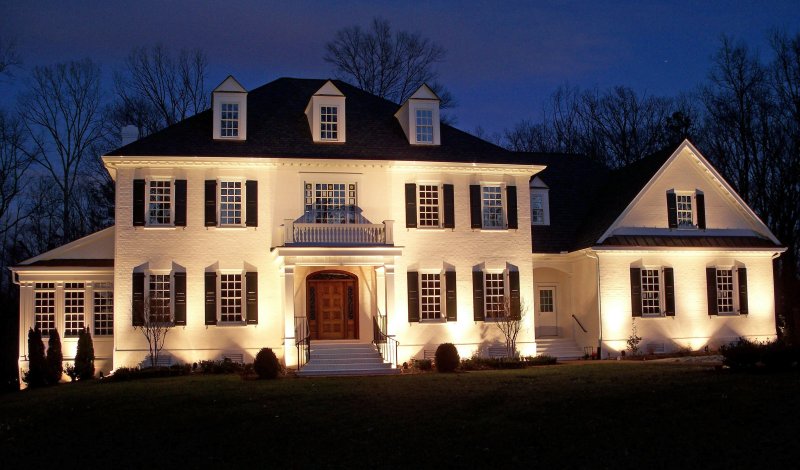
{"x": 36, "y": 375}
{"x": 55, "y": 358}
{"x": 634, "y": 339}
{"x": 84, "y": 357}
{"x": 156, "y": 324}
{"x": 509, "y": 322}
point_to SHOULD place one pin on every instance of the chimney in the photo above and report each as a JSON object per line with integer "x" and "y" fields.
{"x": 130, "y": 133}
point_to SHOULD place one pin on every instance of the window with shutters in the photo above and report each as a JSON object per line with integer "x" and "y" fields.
{"x": 231, "y": 202}
{"x": 329, "y": 123}
{"x": 494, "y": 295}
{"x": 159, "y": 308}
{"x": 103, "y": 308}
{"x": 230, "y": 298}
{"x": 229, "y": 120}
{"x": 331, "y": 203}
{"x": 651, "y": 292}
{"x": 159, "y": 202}
{"x": 430, "y": 296}
{"x": 684, "y": 210}
{"x": 424, "y": 126}
{"x": 540, "y": 207}
{"x": 726, "y": 298}
{"x": 492, "y": 207}
{"x": 429, "y": 206}
{"x": 44, "y": 307}
{"x": 74, "y": 312}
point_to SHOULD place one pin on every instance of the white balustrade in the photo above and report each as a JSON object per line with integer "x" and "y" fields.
{"x": 338, "y": 234}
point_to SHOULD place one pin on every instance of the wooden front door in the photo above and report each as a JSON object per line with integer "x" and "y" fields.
{"x": 332, "y": 308}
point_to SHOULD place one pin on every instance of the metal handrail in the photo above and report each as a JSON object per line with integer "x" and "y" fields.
{"x": 386, "y": 344}
{"x": 579, "y": 323}
{"x": 303, "y": 335}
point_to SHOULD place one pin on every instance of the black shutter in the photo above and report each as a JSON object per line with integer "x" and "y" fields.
{"x": 700, "y": 201}
{"x": 137, "y": 315}
{"x": 411, "y": 205}
{"x": 475, "y": 206}
{"x": 742, "y": 272}
{"x": 138, "y": 202}
{"x": 449, "y": 206}
{"x": 450, "y": 297}
{"x": 251, "y": 196}
{"x": 251, "y": 284}
{"x": 211, "y": 203}
{"x": 669, "y": 292}
{"x": 211, "y": 298}
{"x": 180, "y": 298}
{"x": 513, "y": 291}
{"x": 636, "y": 292}
{"x": 412, "y": 278}
{"x": 180, "y": 203}
{"x": 511, "y": 200}
{"x": 711, "y": 290}
{"x": 477, "y": 296}
{"x": 672, "y": 210}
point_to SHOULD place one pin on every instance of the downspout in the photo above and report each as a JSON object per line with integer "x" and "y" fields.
{"x": 599, "y": 306}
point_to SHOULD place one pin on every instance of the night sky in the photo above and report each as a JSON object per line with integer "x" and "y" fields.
{"x": 503, "y": 58}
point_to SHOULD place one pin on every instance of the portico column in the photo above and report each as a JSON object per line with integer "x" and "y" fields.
{"x": 389, "y": 274}
{"x": 289, "y": 350}
{"x": 380, "y": 289}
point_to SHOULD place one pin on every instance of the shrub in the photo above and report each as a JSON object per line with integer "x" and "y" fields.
{"x": 542, "y": 360}
{"x": 55, "y": 358}
{"x": 447, "y": 358}
{"x": 123, "y": 374}
{"x": 84, "y": 357}
{"x": 266, "y": 364}
{"x": 224, "y": 366}
{"x": 36, "y": 375}
{"x": 423, "y": 364}
{"x": 743, "y": 354}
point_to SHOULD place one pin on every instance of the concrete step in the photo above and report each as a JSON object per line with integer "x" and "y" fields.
{"x": 561, "y": 348}
{"x": 341, "y": 358}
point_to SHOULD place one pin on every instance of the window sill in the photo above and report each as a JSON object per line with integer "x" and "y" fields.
{"x": 437, "y": 321}
{"x": 227, "y": 228}
{"x": 495, "y": 230}
{"x": 433, "y": 229}
{"x": 160, "y": 227}
{"x": 231, "y": 323}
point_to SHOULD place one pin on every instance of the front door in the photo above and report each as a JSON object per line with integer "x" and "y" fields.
{"x": 546, "y": 314}
{"x": 332, "y": 307}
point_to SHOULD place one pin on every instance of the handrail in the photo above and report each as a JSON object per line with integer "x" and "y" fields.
{"x": 579, "y": 323}
{"x": 386, "y": 344}
{"x": 302, "y": 333}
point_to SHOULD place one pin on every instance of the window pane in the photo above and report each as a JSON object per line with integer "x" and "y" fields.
{"x": 329, "y": 123}
{"x": 651, "y": 292}
{"x": 684, "y": 210}
{"x": 725, "y": 291}
{"x": 73, "y": 308}
{"x": 428, "y": 206}
{"x": 160, "y": 203}
{"x": 329, "y": 203}
{"x": 546, "y": 301}
{"x": 103, "y": 309}
{"x": 537, "y": 208}
{"x": 230, "y": 203}
{"x": 430, "y": 296}
{"x": 160, "y": 297}
{"x": 44, "y": 307}
{"x": 230, "y": 297}
{"x": 424, "y": 125}
{"x": 492, "y": 207}
{"x": 229, "y": 120}
{"x": 494, "y": 295}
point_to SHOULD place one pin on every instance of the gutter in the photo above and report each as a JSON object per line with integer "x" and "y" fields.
{"x": 596, "y": 258}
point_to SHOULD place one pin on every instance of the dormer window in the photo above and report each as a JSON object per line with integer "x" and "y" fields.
{"x": 419, "y": 117}
{"x": 424, "y": 126}
{"x": 229, "y": 103}
{"x": 326, "y": 115}
{"x": 686, "y": 209}
{"x": 540, "y": 202}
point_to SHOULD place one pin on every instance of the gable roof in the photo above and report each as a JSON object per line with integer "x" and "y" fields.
{"x": 278, "y": 127}
{"x": 94, "y": 250}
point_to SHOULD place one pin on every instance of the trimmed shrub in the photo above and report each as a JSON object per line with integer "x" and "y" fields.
{"x": 447, "y": 358}
{"x": 84, "y": 357}
{"x": 266, "y": 364}
{"x": 423, "y": 364}
{"x": 743, "y": 354}
{"x": 542, "y": 360}
{"x": 36, "y": 375}
{"x": 55, "y": 358}
{"x": 224, "y": 366}
{"x": 124, "y": 374}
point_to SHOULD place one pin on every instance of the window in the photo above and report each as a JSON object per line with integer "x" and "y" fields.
{"x": 492, "y": 203}
{"x": 103, "y": 309}
{"x": 74, "y": 296}
{"x": 160, "y": 292}
{"x": 424, "y": 126}
{"x": 494, "y": 295}
{"x": 230, "y": 203}
{"x": 330, "y": 203}
{"x": 44, "y": 298}
{"x": 651, "y": 292}
{"x": 546, "y": 301}
{"x": 430, "y": 296}
{"x": 684, "y": 208}
{"x": 429, "y": 206}
{"x": 230, "y": 298}
{"x": 725, "y": 292}
{"x": 229, "y": 120}
{"x": 537, "y": 209}
{"x": 160, "y": 202}
{"x": 329, "y": 123}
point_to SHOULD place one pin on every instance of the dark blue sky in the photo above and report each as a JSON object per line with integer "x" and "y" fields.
{"x": 503, "y": 58}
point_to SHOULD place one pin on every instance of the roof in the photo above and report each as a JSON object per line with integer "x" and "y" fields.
{"x": 73, "y": 263}
{"x": 688, "y": 241}
{"x": 277, "y": 127}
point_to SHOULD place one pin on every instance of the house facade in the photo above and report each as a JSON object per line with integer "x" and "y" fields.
{"x": 308, "y": 211}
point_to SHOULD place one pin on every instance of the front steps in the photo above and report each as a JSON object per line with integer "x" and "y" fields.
{"x": 337, "y": 358}
{"x": 562, "y": 348}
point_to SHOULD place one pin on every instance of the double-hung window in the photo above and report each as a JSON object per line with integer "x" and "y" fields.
{"x": 424, "y": 126}
{"x": 103, "y": 293}
{"x": 684, "y": 210}
{"x": 430, "y": 285}
{"x": 159, "y": 308}
{"x": 230, "y": 203}
{"x": 492, "y": 207}
{"x": 230, "y": 298}
{"x": 726, "y": 301}
{"x": 651, "y": 291}
{"x": 159, "y": 205}
{"x": 330, "y": 203}
{"x": 74, "y": 308}
{"x": 44, "y": 308}
{"x": 494, "y": 295}
{"x": 429, "y": 207}
{"x": 229, "y": 120}
{"x": 329, "y": 123}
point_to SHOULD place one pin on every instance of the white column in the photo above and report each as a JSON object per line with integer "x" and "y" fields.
{"x": 390, "y": 307}
{"x": 289, "y": 351}
{"x": 389, "y": 228}
{"x": 380, "y": 289}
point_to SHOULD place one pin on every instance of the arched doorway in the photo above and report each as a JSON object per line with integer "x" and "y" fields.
{"x": 332, "y": 305}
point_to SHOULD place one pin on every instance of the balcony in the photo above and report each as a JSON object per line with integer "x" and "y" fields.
{"x": 336, "y": 228}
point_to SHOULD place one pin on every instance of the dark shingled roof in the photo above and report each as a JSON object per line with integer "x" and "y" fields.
{"x": 73, "y": 263}
{"x": 688, "y": 241}
{"x": 277, "y": 126}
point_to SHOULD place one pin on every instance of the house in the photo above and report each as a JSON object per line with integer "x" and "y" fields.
{"x": 309, "y": 211}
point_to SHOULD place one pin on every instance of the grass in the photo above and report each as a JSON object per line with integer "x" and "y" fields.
{"x": 597, "y": 415}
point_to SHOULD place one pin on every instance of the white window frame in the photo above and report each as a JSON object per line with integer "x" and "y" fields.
{"x": 102, "y": 287}
{"x": 439, "y": 205}
{"x": 417, "y": 126}
{"x": 171, "y": 183}
{"x": 242, "y": 297}
{"x": 692, "y": 210}
{"x": 334, "y": 129}
{"x": 545, "y": 196}
{"x": 48, "y": 287}
{"x": 350, "y": 201}
{"x": 78, "y": 288}
{"x": 503, "y": 206}
{"x": 148, "y": 296}
{"x": 660, "y": 291}
{"x": 734, "y": 289}
{"x": 504, "y": 277}
{"x": 242, "y": 202}
{"x": 223, "y": 120}
{"x": 441, "y": 296}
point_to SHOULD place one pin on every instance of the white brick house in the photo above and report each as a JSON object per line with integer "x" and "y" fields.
{"x": 311, "y": 209}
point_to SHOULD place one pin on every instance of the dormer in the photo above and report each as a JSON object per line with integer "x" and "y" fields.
{"x": 229, "y": 101}
{"x": 419, "y": 117}
{"x": 326, "y": 115}
{"x": 540, "y": 202}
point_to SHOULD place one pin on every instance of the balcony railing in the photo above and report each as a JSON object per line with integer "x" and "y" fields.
{"x": 334, "y": 230}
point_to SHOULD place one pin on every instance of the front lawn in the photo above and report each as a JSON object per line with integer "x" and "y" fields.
{"x": 595, "y": 415}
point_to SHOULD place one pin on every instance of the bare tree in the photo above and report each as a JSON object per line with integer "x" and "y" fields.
{"x": 157, "y": 324}
{"x": 9, "y": 58}
{"x": 14, "y": 163}
{"x": 509, "y": 321}
{"x": 61, "y": 111}
{"x": 389, "y": 65}
{"x": 156, "y": 88}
